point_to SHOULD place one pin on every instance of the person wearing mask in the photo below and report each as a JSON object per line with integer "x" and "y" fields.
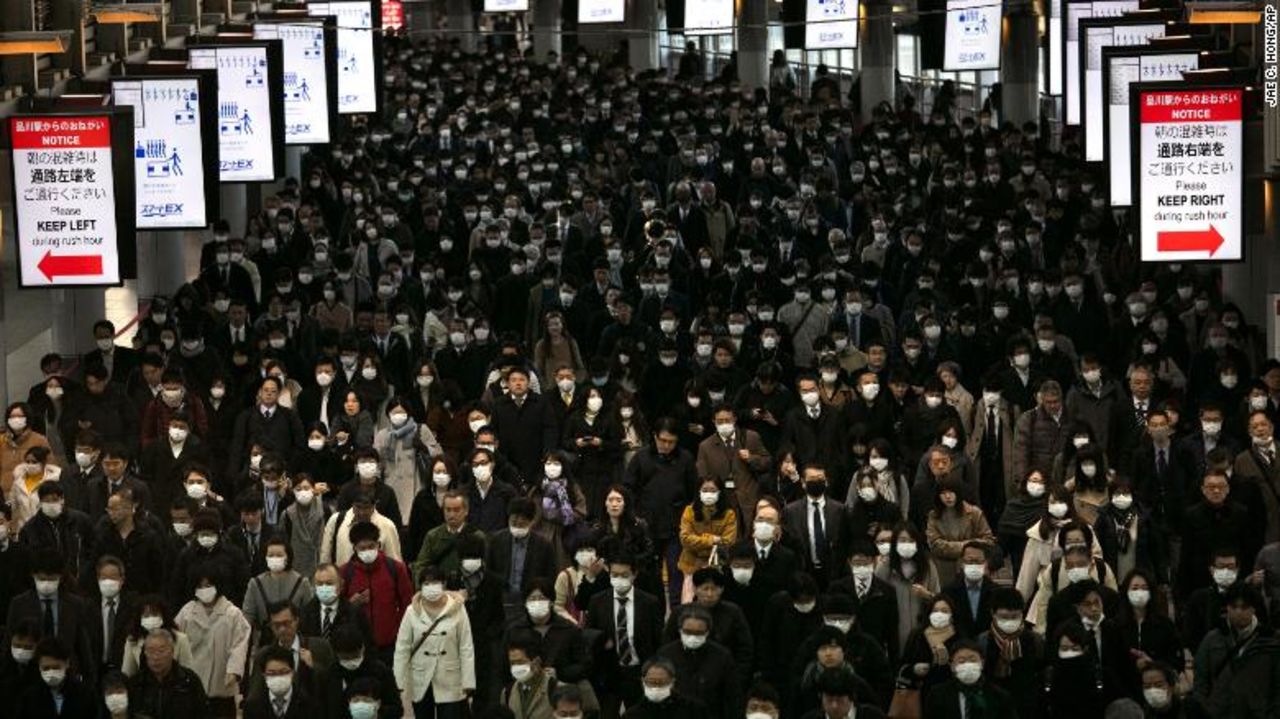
{"x": 523, "y": 424}
{"x": 329, "y": 609}
{"x": 1013, "y": 654}
{"x": 1127, "y": 536}
{"x": 434, "y": 653}
{"x": 1205, "y": 609}
{"x": 667, "y": 475}
{"x": 403, "y": 445}
{"x": 60, "y": 693}
{"x": 972, "y": 588}
{"x": 335, "y": 543}
{"x": 303, "y": 523}
{"x": 660, "y": 696}
{"x": 629, "y": 621}
{"x": 220, "y": 636}
{"x": 1149, "y": 634}
{"x": 819, "y": 522}
{"x": 705, "y": 669}
{"x": 284, "y": 693}
{"x": 737, "y": 457}
{"x": 441, "y": 545}
{"x": 116, "y": 610}
{"x": 267, "y": 425}
{"x": 529, "y": 694}
{"x": 356, "y": 667}
{"x": 840, "y": 644}
{"x": 1257, "y": 473}
{"x": 281, "y": 582}
{"x": 115, "y": 459}
{"x": 59, "y": 612}
{"x": 812, "y": 433}
{"x": 378, "y": 585}
{"x": 990, "y": 448}
{"x": 516, "y": 555}
{"x": 841, "y": 699}
{"x": 35, "y": 470}
{"x": 968, "y": 691}
{"x": 952, "y": 525}
{"x": 708, "y": 527}
{"x": 1040, "y": 433}
{"x": 1236, "y": 662}
{"x": 371, "y": 478}
{"x": 127, "y": 535}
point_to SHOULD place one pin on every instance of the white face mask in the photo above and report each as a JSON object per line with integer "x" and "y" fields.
{"x": 367, "y": 556}
{"x": 968, "y": 672}
{"x": 367, "y": 470}
{"x": 907, "y": 550}
{"x": 1122, "y": 501}
{"x": 206, "y": 595}
{"x": 538, "y": 608}
{"x": 867, "y": 494}
{"x": 279, "y": 685}
{"x": 692, "y": 641}
{"x": 940, "y": 620}
{"x": 742, "y": 575}
{"x": 519, "y": 532}
{"x": 1057, "y": 510}
{"x": 433, "y": 591}
{"x": 974, "y": 572}
{"x": 109, "y": 588}
{"x": 182, "y": 529}
{"x": 53, "y": 677}
{"x": 117, "y": 703}
{"x": 22, "y": 656}
{"x": 1077, "y": 574}
{"x": 709, "y": 498}
{"x": 277, "y": 564}
{"x": 521, "y": 672}
{"x": 844, "y": 625}
{"x": 1070, "y": 653}
{"x": 1009, "y": 626}
{"x": 471, "y": 565}
{"x": 879, "y": 464}
{"x": 621, "y": 585}
{"x": 884, "y": 548}
{"x": 1157, "y": 697}
{"x": 1224, "y": 577}
{"x": 1139, "y": 597}
{"x": 481, "y": 472}
{"x": 398, "y": 418}
{"x": 657, "y": 694}
{"x": 870, "y": 391}
{"x": 207, "y": 540}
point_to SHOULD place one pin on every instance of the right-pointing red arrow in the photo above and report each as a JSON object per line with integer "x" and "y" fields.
{"x": 1190, "y": 241}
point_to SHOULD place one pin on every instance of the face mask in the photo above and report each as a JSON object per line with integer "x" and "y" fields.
{"x": 367, "y": 556}
{"x": 177, "y": 435}
{"x": 326, "y": 593}
{"x": 1122, "y": 501}
{"x": 432, "y": 592}
{"x": 1009, "y": 626}
{"x": 279, "y": 685}
{"x": 182, "y": 529}
{"x": 1157, "y": 697}
{"x": 657, "y": 694}
{"x": 950, "y": 442}
{"x": 621, "y": 585}
{"x": 369, "y": 373}
{"x": 1224, "y": 577}
{"x": 974, "y": 572}
{"x": 52, "y": 510}
{"x": 907, "y": 550}
{"x": 481, "y": 472}
{"x": 709, "y": 498}
{"x": 844, "y": 625}
{"x": 968, "y": 672}
{"x": 109, "y": 588}
{"x": 1077, "y": 574}
{"x": 117, "y": 703}
{"x": 519, "y": 532}
{"x": 352, "y": 664}
{"x": 940, "y": 620}
{"x": 1139, "y": 597}
{"x": 206, "y": 595}
{"x": 207, "y": 540}
{"x": 277, "y": 564}
{"x": 363, "y": 710}
{"x": 367, "y": 470}
{"x": 538, "y": 608}
{"x": 53, "y": 677}
{"x": 884, "y": 548}
{"x": 1057, "y": 509}
{"x": 691, "y": 642}
{"x": 17, "y": 424}
{"x": 1070, "y": 653}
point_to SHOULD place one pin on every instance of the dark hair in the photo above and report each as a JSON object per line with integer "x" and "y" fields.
{"x": 363, "y": 531}
{"x": 1007, "y": 598}
{"x": 277, "y": 653}
{"x": 527, "y": 642}
{"x": 53, "y": 648}
{"x": 719, "y": 509}
{"x": 921, "y": 560}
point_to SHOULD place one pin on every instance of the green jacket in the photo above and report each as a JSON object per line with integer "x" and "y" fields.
{"x": 440, "y": 549}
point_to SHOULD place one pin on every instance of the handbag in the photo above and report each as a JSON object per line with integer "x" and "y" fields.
{"x": 905, "y": 704}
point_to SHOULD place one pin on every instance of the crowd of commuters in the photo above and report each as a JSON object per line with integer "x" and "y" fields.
{"x": 560, "y": 390}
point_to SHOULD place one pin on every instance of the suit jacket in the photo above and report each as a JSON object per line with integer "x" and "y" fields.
{"x": 75, "y": 621}
{"x": 301, "y": 705}
{"x": 308, "y": 405}
{"x": 99, "y": 491}
{"x": 773, "y": 573}
{"x": 877, "y": 612}
{"x": 220, "y": 338}
{"x": 539, "y": 558}
{"x": 126, "y": 615}
{"x": 958, "y": 592}
{"x": 282, "y": 433}
{"x": 311, "y": 620}
{"x": 79, "y": 701}
{"x": 973, "y": 448}
{"x": 1258, "y": 486}
{"x": 1164, "y": 497}
{"x": 162, "y": 471}
{"x": 124, "y": 361}
{"x": 308, "y": 677}
{"x": 795, "y": 521}
{"x": 396, "y": 358}
{"x": 238, "y": 538}
{"x": 717, "y": 459}
{"x": 646, "y": 634}
{"x": 943, "y": 702}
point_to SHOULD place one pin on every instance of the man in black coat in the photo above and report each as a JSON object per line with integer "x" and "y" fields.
{"x": 516, "y": 555}
{"x": 775, "y": 563}
{"x": 875, "y": 603}
{"x": 564, "y": 646}
{"x": 705, "y": 669}
{"x": 356, "y": 663}
{"x": 524, "y": 425}
{"x": 663, "y": 477}
{"x": 967, "y": 690}
{"x": 163, "y": 687}
{"x": 811, "y": 432}
{"x": 60, "y": 614}
{"x": 118, "y": 360}
{"x": 840, "y": 698}
{"x": 1216, "y": 521}
{"x": 630, "y": 625}
{"x": 60, "y": 694}
{"x": 105, "y": 408}
{"x": 210, "y": 553}
{"x": 137, "y": 545}
{"x": 15, "y": 574}
{"x": 729, "y": 625}
{"x": 60, "y": 529}
{"x": 820, "y": 523}
{"x": 327, "y": 393}
{"x": 267, "y": 425}
{"x": 116, "y": 613}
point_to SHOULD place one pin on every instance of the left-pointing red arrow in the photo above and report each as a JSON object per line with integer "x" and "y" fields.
{"x": 69, "y": 265}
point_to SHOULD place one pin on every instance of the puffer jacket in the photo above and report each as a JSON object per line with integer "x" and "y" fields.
{"x": 1037, "y": 439}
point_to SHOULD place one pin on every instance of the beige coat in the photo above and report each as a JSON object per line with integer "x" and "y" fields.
{"x": 388, "y": 534}
{"x": 444, "y": 662}
{"x": 25, "y": 504}
{"x": 219, "y": 644}
{"x": 716, "y": 459}
{"x": 133, "y": 653}
{"x": 948, "y": 533}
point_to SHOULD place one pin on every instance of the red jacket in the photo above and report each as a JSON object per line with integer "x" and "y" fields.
{"x": 390, "y": 594}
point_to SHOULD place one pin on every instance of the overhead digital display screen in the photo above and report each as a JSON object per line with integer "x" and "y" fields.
{"x": 973, "y": 35}
{"x": 246, "y": 135}
{"x": 1119, "y": 73}
{"x": 831, "y": 24}
{"x": 1098, "y": 34}
{"x": 168, "y": 152}
{"x": 357, "y": 67}
{"x": 1077, "y": 11}
{"x": 601, "y": 11}
{"x": 306, "y": 81}
{"x": 708, "y": 17}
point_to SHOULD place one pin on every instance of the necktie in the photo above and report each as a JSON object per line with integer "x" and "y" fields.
{"x": 279, "y": 704}
{"x": 819, "y": 535}
{"x": 625, "y": 653}
{"x": 324, "y": 410}
{"x": 253, "y": 545}
{"x": 991, "y": 423}
{"x": 1267, "y": 456}
{"x": 1162, "y": 462}
{"x": 327, "y": 623}
{"x": 1140, "y": 409}
{"x": 813, "y": 413}
{"x": 109, "y": 634}
{"x": 50, "y": 629}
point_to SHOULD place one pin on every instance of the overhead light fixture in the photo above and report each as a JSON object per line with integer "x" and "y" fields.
{"x": 1230, "y": 12}
{"x": 35, "y": 42}
{"x": 131, "y": 13}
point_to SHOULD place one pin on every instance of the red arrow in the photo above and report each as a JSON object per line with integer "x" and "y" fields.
{"x": 69, "y": 265}
{"x": 1190, "y": 241}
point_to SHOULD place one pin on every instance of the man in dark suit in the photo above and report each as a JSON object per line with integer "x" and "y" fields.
{"x": 120, "y": 361}
{"x": 105, "y": 408}
{"x": 116, "y": 614}
{"x": 629, "y": 621}
{"x": 862, "y": 329}
{"x": 812, "y": 432}
{"x": 60, "y": 614}
{"x": 840, "y": 698}
{"x": 115, "y": 477}
{"x": 237, "y": 332}
{"x": 1128, "y": 422}
{"x": 60, "y": 529}
{"x": 328, "y": 611}
{"x": 729, "y": 625}
{"x": 357, "y": 664}
{"x": 875, "y": 603}
{"x": 1193, "y": 450}
{"x": 959, "y": 696}
{"x": 162, "y": 686}
{"x": 819, "y": 523}
{"x": 250, "y": 536}
{"x": 775, "y": 562}
{"x": 392, "y": 350}
{"x": 524, "y": 426}
{"x": 267, "y": 425}
{"x": 226, "y": 276}
{"x": 1159, "y": 482}
{"x": 705, "y": 668}
{"x": 280, "y": 690}
{"x": 61, "y": 695}
{"x": 970, "y": 593}
{"x": 517, "y": 555}
{"x": 322, "y": 402}
{"x": 311, "y": 656}
{"x": 163, "y": 461}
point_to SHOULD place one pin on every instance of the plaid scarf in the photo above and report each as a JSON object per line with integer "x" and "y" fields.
{"x": 1010, "y": 647}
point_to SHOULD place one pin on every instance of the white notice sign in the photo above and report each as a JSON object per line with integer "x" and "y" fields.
{"x": 973, "y": 35}
{"x": 65, "y": 196}
{"x": 1190, "y": 174}
{"x": 245, "y": 136}
{"x": 306, "y": 97}
{"x": 831, "y": 24}
{"x": 357, "y": 81}
{"x": 1125, "y": 71}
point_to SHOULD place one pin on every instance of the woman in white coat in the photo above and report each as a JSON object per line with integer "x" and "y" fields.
{"x": 219, "y": 636}
{"x": 1058, "y": 526}
{"x": 435, "y": 663}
